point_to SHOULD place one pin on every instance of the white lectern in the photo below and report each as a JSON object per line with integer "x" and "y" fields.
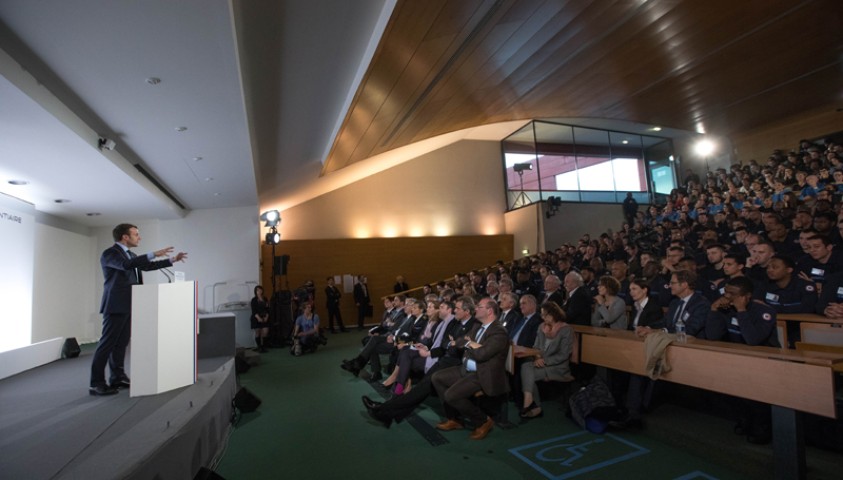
{"x": 163, "y": 337}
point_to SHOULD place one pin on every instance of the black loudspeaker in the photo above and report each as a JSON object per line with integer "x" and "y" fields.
{"x": 279, "y": 265}
{"x": 281, "y": 313}
{"x": 70, "y": 349}
{"x": 246, "y": 401}
{"x": 207, "y": 474}
{"x": 241, "y": 365}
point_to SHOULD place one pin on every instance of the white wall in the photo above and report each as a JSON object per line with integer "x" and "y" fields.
{"x": 526, "y": 227}
{"x": 575, "y": 219}
{"x": 222, "y": 245}
{"x": 66, "y": 265}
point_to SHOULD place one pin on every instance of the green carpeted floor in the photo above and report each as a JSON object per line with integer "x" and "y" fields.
{"x": 312, "y": 425}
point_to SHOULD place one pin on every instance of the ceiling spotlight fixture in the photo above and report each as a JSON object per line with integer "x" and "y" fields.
{"x": 18, "y": 182}
{"x": 625, "y": 142}
{"x": 153, "y": 80}
{"x": 93, "y": 214}
{"x": 197, "y": 159}
{"x": 656, "y": 129}
{"x": 520, "y": 167}
{"x": 106, "y": 144}
{"x": 217, "y": 194}
{"x": 181, "y": 129}
{"x": 209, "y": 179}
{"x": 61, "y": 200}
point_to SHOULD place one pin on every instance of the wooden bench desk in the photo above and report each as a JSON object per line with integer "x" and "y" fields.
{"x": 789, "y": 380}
{"x": 809, "y": 317}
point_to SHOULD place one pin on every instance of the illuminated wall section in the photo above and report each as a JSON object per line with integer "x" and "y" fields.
{"x": 454, "y": 191}
{"x": 17, "y": 231}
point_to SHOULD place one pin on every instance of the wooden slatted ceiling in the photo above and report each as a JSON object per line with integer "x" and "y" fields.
{"x": 444, "y": 65}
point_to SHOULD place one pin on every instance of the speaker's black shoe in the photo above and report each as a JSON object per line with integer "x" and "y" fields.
{"x": 101, "y": 391}
{"x": 369, "y": 403}
{"x": 122, "y": 383}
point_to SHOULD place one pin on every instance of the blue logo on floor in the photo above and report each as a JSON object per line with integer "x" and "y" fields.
{"x": 577, "y": 453}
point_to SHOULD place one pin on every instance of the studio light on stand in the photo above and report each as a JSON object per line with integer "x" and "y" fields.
{"x": 272, "y": 219}
{"x": 522, "y": 199}
{"x": 704, "y": 148}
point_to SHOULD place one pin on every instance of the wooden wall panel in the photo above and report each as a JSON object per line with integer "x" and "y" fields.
{"x": 726, "y": 66}
{"x": 785, "y": 134}
{"x": 420, "y": 260}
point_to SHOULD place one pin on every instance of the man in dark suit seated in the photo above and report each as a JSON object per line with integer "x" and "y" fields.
{"x": 483, "y": 371}
{"x": 578, "y": 306}
{"x": 689, "y": 305}
{"x": 509, "y": 310}
{"x": 523, "y": 333}
{"x": 121, "y": 269}
{"x": 382, "y": 343}
{"x": 552, "y": 291}
{"x": 446, "y": 351}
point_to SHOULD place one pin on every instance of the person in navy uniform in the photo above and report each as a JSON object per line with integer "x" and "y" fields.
{"x": 121, "y": 269}
{"x": 733, "y": 265}
{"x": 830, "y": 303}
{"x": 784, "y": 291}
{"x": 737, "y": 318}
{"x": 821, "y": 260}
{"x": 740, "y": 319}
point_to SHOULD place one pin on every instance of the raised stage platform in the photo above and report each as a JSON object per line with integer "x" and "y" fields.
{"x": 50, "y": 427}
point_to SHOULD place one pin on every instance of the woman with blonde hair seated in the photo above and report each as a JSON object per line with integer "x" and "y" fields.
{"x": 551, "y": 357}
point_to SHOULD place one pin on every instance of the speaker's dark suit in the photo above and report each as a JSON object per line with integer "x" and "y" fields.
{"x": 578, "y": 307}
{"x": 456, "y": 386}
{"x": 121, "y": 270}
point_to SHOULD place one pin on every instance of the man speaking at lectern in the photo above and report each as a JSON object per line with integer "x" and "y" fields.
{"x": 121, "y": 269}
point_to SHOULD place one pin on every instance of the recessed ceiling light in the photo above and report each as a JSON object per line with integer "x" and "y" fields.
{"x": 217, "y": 194}
{"x": 61, "y": 200}
{"x": 181, "y": 129}
{"x": 93, "y": 214}
{"x": 153, "y": 80}
{"x": 18, "y": 182}
{"x": 656, "y": 129}
{"x": 625, "y": 142}
{"x": 197, "y": 159}
{"x": 209, "y": 179}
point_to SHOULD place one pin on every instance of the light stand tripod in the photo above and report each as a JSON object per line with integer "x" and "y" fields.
{"x": 522, "y": 199}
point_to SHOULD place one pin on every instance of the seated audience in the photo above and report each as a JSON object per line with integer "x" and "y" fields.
{"x": 609, "y": 309}
{"x": 548, "y": 359}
